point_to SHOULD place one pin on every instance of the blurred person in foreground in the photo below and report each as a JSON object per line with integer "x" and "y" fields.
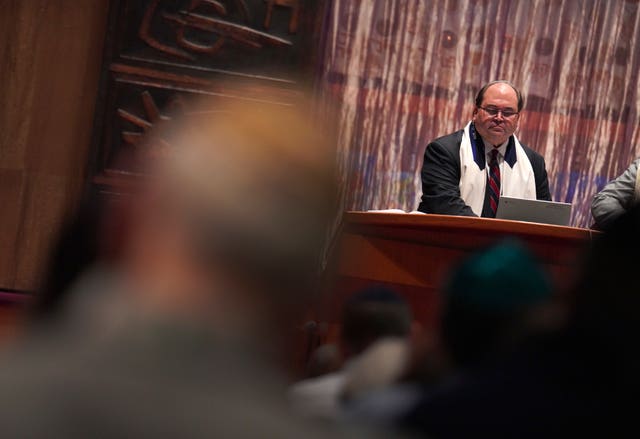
{"x": 577, "y": 380}
{"x": 616, "y": 197}
{"x": 374, "y": 343}
{"x": 490, "y": 303}
{"x": 172, "y": 331}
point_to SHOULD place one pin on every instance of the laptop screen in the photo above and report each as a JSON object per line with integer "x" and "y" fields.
{"x": 536, "y": 211}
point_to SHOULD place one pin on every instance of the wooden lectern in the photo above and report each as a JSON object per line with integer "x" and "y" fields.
{"x": 412, "y": 253}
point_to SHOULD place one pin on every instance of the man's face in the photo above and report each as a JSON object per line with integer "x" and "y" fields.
{"x": 496, "y": 129}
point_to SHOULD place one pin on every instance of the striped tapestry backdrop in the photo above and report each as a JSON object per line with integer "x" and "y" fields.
{"x": 406, "y": 71}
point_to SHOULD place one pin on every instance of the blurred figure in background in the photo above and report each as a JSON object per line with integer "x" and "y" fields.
{"x": 374, "y": 343}
{"x": 172, "y": 332}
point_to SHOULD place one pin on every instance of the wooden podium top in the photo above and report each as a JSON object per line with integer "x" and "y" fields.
{"x": 551, "y": 243}
{"x": 412, "y": 252}
{"x": 387, "y": 222}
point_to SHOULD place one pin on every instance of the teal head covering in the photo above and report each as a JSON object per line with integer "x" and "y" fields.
{"x": 503, "y": 277}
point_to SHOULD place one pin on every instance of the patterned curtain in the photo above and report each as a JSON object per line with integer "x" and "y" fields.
{"x": 406, "y": 71}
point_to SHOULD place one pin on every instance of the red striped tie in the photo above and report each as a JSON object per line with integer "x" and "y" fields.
{"x": 494, "y": 183}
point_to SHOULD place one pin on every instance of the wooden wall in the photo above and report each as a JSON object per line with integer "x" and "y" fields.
{"x": 50, "y": 59}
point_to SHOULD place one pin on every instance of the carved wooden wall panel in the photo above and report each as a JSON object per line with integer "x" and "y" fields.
{"x": 161, "y": 52}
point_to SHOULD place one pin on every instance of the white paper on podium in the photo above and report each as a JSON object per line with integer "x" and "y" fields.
{"x": 413, "y": 212}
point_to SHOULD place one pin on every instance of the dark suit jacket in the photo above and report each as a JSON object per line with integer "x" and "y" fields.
{"x": 441, "y": 176}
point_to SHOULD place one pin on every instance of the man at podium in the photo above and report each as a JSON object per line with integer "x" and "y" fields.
{"x": 466, "y": 172}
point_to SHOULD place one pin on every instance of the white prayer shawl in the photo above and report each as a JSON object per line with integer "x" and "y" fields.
{"x": 516, "y": 181}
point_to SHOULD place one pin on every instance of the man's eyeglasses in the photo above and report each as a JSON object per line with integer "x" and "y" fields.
{"x": 493, "y": 111}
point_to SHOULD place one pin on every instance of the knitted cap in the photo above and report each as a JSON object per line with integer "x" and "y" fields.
{"x": 503, "y": 277}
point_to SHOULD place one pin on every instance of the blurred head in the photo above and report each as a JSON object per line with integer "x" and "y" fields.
{"x": 607, "y": 305}
{"x": 372, "y": 314}
{"x": 487, "y": 298}
{"x": 607, "y": 297}
{"x": 497, "y": 111}
{"x": 233, "y": 214}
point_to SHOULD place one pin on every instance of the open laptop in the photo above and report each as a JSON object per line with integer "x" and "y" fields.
{"x": 536, "y": 211}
